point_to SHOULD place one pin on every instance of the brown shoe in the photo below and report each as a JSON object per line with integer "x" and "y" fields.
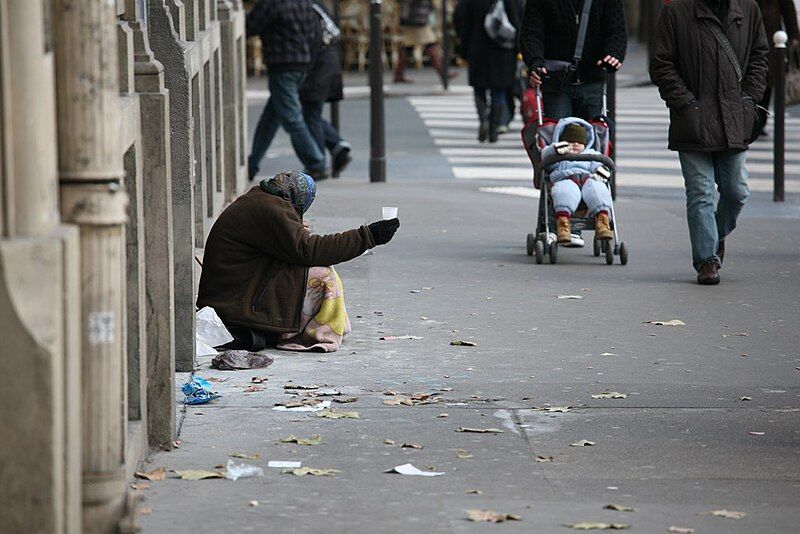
{"x": 602, "y": 228}
{"x": 708, "y": 275}
{"x": 563, "y": 229}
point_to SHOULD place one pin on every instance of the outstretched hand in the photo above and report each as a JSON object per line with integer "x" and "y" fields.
{"x": 383, "y": 231}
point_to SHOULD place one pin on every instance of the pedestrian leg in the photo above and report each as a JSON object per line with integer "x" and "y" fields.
{"x": 557, "y": 105}
{"x": 497, "y": 113}
{"x": 698, "y": 176}
{"x": 265, "y": 132}
{"x": 312, "y": 114}
{"x": 400, "y": 67}
{"x": 332, "y": 138}
{"x": 731, "y": 179}
{"x": 285, "y": 89}
{"x": 587, "y": 100}
{"x": 482, "y": 107}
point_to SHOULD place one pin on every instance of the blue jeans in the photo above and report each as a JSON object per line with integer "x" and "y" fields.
{"x": 323, "y": 132}
{"x": 491, "y": 105}
{"x": 707, "y": 224}
{"x": 584, "y": 101}
{"x": 283, "y": 109}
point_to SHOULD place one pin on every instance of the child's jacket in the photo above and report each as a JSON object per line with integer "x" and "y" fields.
{"x": 568, "y": 169}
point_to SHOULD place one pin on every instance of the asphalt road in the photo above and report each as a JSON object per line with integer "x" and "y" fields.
{"x": 680, "y": 445}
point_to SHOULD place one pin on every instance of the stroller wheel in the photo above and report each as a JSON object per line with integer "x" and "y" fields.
{"x": 538, "y": 248}
{"x": 603, "y": 246}
{"x": 616, "y": 249}
{"x": 623, "y": 253}
{"x": 597, "y": 248}
{"x": 553, "y": 252}
{"x": 529, "y": 244}
{"x": 609, "y": 252}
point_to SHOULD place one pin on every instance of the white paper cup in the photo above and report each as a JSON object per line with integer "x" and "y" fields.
{"x": 389, "y": 213}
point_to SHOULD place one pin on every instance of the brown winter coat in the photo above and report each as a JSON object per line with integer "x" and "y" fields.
{"x": 709, "y": 111}
{"x": 256, "y": 261}
{"x": 773, "y": 12}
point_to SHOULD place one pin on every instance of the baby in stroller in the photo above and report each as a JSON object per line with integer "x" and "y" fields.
{"x": 574, "y": 181}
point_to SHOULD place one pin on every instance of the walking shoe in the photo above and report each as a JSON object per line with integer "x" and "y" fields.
{"x": 721, "y": 250}
{"x": 563, "y": 229}
{"x": 341, "y": 158}
{"x": 503, "y": 128}
{"x": 708, "y": 275}
{"x": 602, "y": 228}
{"x": 483, "y": 132}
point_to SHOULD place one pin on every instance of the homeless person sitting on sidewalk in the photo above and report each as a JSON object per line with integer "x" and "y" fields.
{"x": 573, "y": 180}
{"x": 269, "y": 279}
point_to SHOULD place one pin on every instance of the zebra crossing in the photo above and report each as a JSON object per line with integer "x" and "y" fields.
{"x": 643, "y": 160}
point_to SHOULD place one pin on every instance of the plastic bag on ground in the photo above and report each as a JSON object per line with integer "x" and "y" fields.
{"x": 211, "y": 332}
{"x": 199, "y": 391}
{"x": 237, "y": 470}
{"x": 230, "y": 360}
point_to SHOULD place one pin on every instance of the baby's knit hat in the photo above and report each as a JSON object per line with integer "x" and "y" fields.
{"x": 574, "y": 133}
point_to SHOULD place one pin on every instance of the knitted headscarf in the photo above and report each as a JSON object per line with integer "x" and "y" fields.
{"x": 296, "y": 187}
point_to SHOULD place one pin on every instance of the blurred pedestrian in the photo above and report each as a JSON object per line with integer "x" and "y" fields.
{"x": 288, "y": 31}
{"x": 710, "y": 66}
{"x": 415, "y": 26}
{"x": 777, "y": 15}
{"x": 492, "y": 67}
{"x": 324, "y": 84}
{"x": 548, "y": 37}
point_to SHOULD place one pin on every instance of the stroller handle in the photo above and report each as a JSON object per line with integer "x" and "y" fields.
{"x": 600, "y": 158}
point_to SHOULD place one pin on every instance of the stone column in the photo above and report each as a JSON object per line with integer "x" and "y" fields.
{"x": 92, "y": 196}
{"x": 40, "y": 447}
{"x": 231, "y": 35}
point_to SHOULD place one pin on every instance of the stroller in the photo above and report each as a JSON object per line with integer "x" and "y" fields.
{"x": 536, "y": 135}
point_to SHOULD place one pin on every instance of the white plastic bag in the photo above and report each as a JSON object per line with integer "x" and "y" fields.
{"x": 211, "y": 332}
{"x": 237, "y": 470}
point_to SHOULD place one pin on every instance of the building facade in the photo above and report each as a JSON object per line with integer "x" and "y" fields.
{"x": 122, "y": 135}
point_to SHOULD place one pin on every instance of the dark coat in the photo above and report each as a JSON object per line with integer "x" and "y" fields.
{"x": 490, "y": 65}
{"x": 324, "y": 80}
{"x": 549, "y": 31}
{"x": 288, "y": 31}
{"x": 255, "y": 266}
{"x": 415, "y": 12}
{"x": 775, "y": 12}
{"x": 709, "y": 110}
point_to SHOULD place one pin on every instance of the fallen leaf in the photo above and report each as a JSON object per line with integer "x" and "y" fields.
{"x": 410, "y": 446}
{"x": 490, "y": 516}
{"x": 219, "y": 466}
{"x": 258, "y": 379}
{"x": 198, "y": 474}
{"x": 396, "y": 338}
{"x": 330, "y": 392}
{"x": 474, "y": 492}
{"x": 316, "y": 439}
{"x": 140, "y": 486}
{"x": 254, "y": 389}
{"x": 681, "y": 530}
{"x": 145, "y": 510}
{"x": 388, "y": 441}
{"x": 480, "y": 430}
{"x": 610, "y": 395}
{"x": 215, "y": 379}
{"x": 730, "y": 514}
{"x": 569, "y": 297}
{"x": 671, "y": 322}
{"x": 443, "y": 415}
{"x": 345, "y": 400}
{"x": 745, "y": 398}
{"x": 463, "y": 455}
{"x": 540, "y": 458}
{"x": 390, "y": 392}
{"x": 555, "y": 409}
{"x": 331, "y": 414}
{"x": 244, "y": 456}
{"x": 314, "y": 471}
{"x": 608, "y": 354}
{"x": 754, "y": 433}
{"x": 618, "y": 508}
{"x": 583, "y": 443}
{"x": 253, "y": 503}
{"x": 598, "y": 526}
{"x": 301, "y": 386}
{"x": 461, "y": 343}
{"x": 737, "y": 334}
{"x": 298, "y": 403}
{"x": 444, "y": 389}
{"x": 155, "y": 475}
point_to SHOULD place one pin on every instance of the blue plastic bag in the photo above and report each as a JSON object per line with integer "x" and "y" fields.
{"x": 198, "y": 391}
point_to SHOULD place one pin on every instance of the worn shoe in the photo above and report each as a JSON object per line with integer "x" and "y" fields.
{"x": 483, "y": 132}
{"x": 721, "y": 250}
{"x": 563, "y": 229}
{"x": 341, "y": 158}
{"x": 708, "y": 275}
{"x": 602, "y": 228}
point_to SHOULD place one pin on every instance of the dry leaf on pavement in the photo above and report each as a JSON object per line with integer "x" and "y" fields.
{"x": 586, "y": 525}
{"x": 316, "y": 439}
{"x": 491, "y": 516}
{"x": 253, "y": 503}
{"x": 540, "y": 458}
{"x": 314, "y": 471}
{"x": 258, "y": 379}
{"x": 671, "y": 322}
{"x": 298, "y": 403}
{"x": 254, "y": 389}
{"x": 461, "y": 343}
{"x": 610, "y": 395}
{"x": 345, "y": 400}
{"x": 480, "y": 430}
{"x": 555, "y": 409}
{"x": 474, "y": 492}
{"x": 681, "y": 530}
{"x": 619, "y": 508}
{"x": 215, "y": 379}
{"x": 583, "y": 443}
{"x": 730, "y": 514}
{"x": 198, "y": 474}
{"x": 331, "y": 414}
{"x": 388, "y": 441}
{"x": 244, "y": 456}
{"x": 410, "y": 446}
{"x": 745, "y": 398}
{"x": 140, "y": 485}
{"x": 396, "y": 338}
{"x": 753, "y": 433}
{"x": 159, "y": 473}
{"x": 463, "y": 455}
{"x": 569, "y": 297}
{"x": 301, "y": 386}
{"x": 737, "y": 334}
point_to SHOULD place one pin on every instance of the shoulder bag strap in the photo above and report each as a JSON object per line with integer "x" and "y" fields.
{"x": 587, "y": 7}
{"x": 723, "y": 41}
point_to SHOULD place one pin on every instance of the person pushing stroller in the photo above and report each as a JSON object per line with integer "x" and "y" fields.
{"x": 574, "y": 181}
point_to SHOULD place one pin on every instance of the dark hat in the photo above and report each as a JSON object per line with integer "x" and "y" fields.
{"x": 574, "y": 133}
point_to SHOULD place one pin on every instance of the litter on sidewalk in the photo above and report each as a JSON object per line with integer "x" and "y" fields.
{"x": 410, "y": 470}
{"x": 231, "y": 360}
{"x": 199, "y": 391}
{"x": 284, "y": 464}
{"x": 210, "y": 332}
{"x": 236, "y": 470}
